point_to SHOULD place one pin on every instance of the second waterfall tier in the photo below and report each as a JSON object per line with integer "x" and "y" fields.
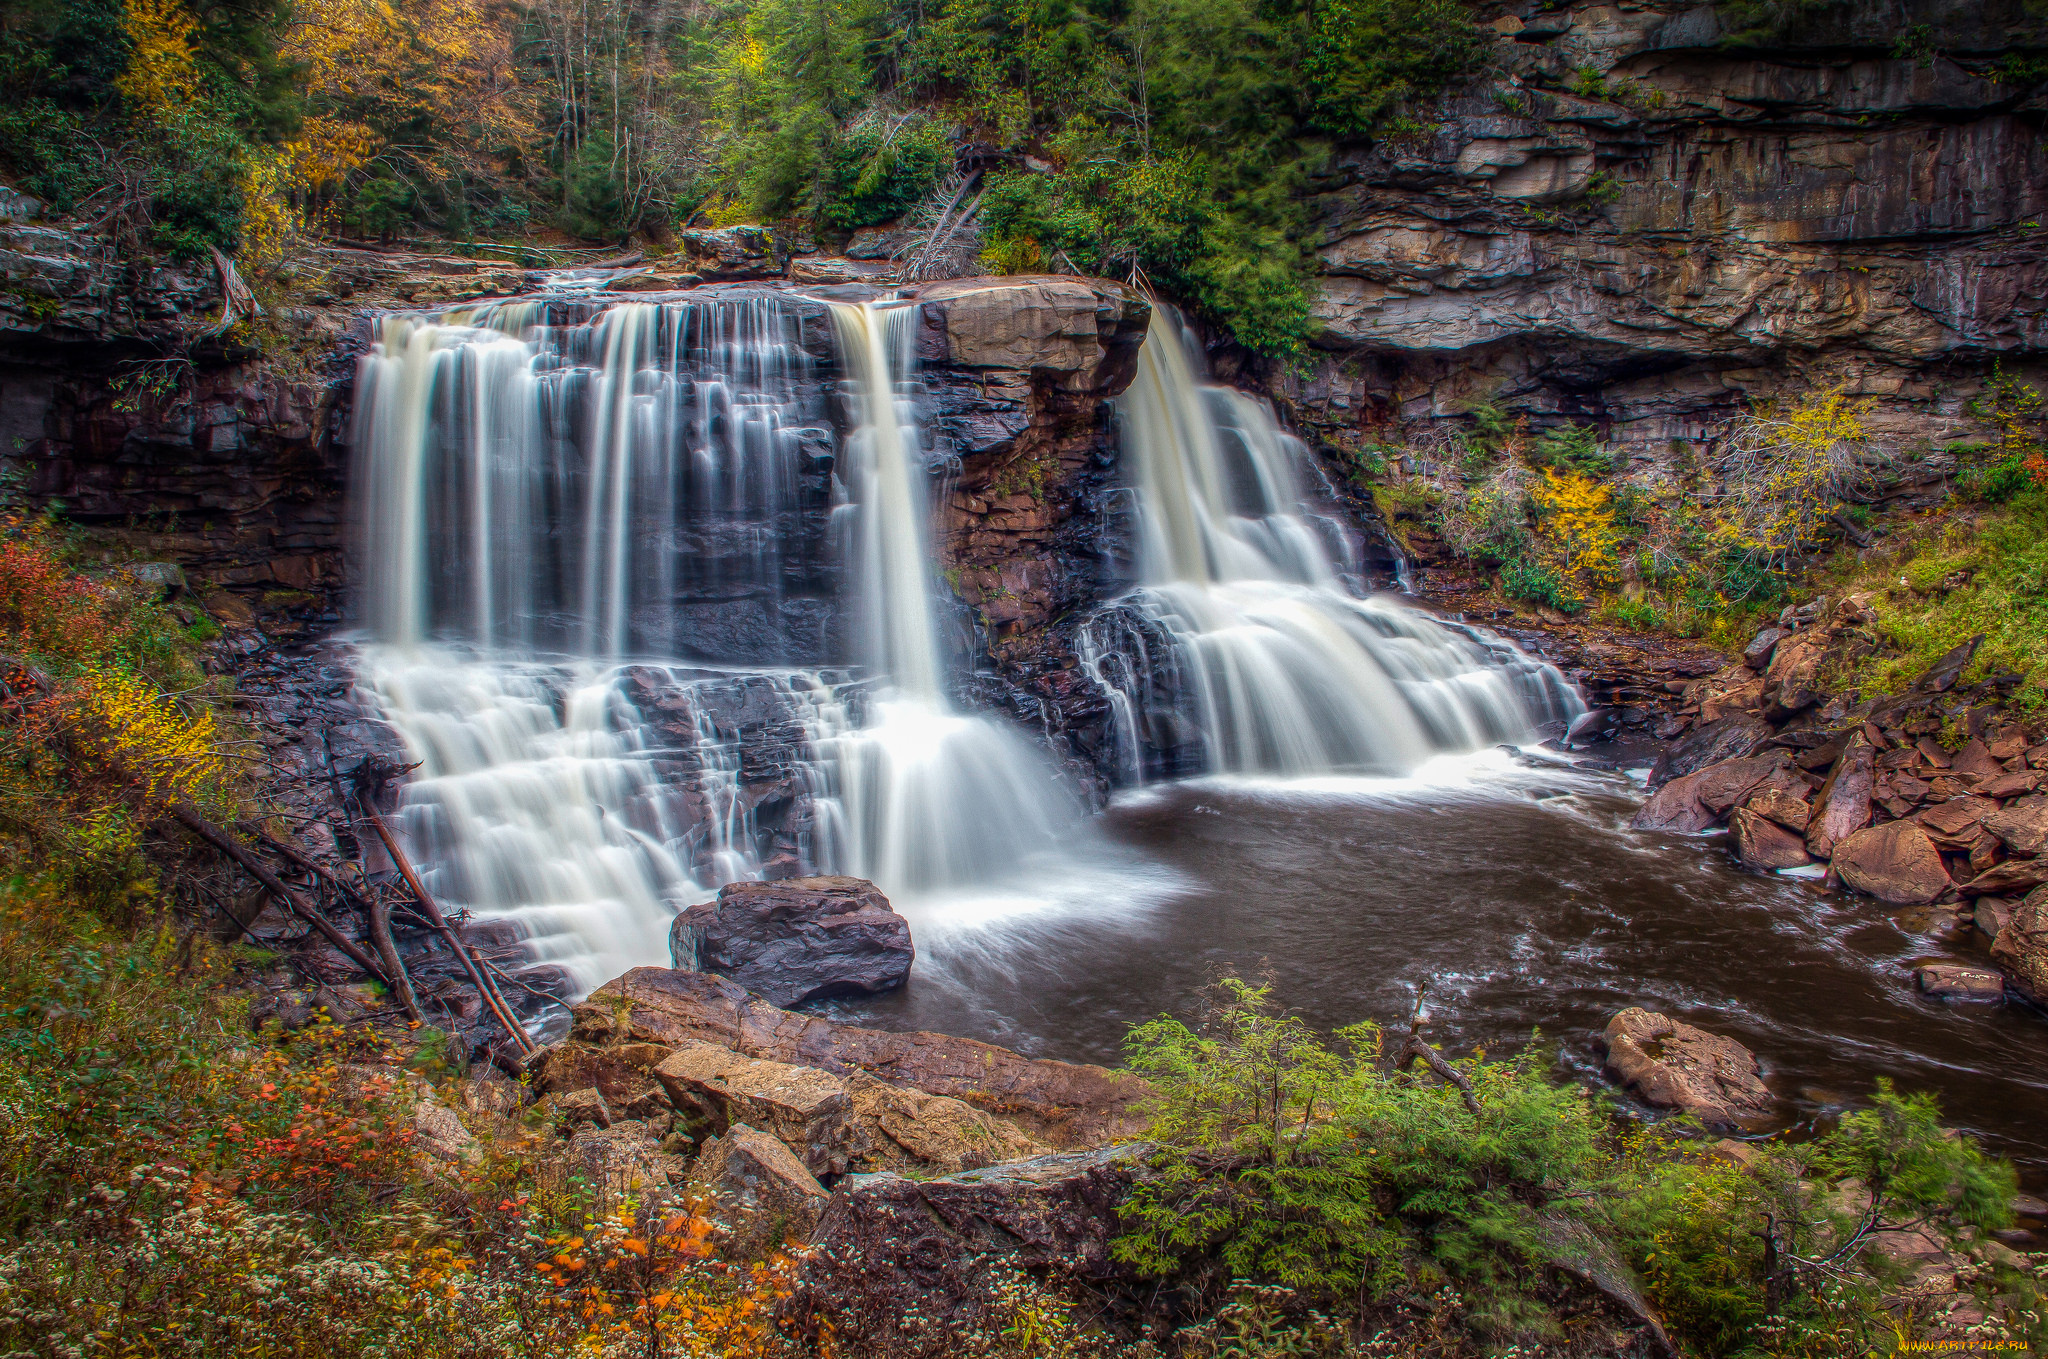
{"x": 1247, "y": 646}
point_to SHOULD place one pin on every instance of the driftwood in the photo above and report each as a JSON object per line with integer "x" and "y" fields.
{"x": 366, "y": 779}
{"x": 236, "y": 301}
{"x": 1419, "y": 1047}
{"x": 189, "y": 817}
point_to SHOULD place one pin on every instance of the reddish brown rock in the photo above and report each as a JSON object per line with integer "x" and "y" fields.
{"x": 1842, "y": 806}
{"x": 2022, "y": 827}
{"x": 1712, "y": 742}
{"x": 1895, "y": 862}
{"x": 1060, "y": 1103}
{"x": 1792, "y": 683}
{"x": 2021, "y": 948}
{"x": 1779, "y": 805}
{"x": 1723, "y": 785}
{"x": 1934, "y": 755}
{"x": 2008, "y": 878}
{"x": 1957, "y": 982}
{"x": 1764, "y": 844}
{"x": 1671, "y": 1065}
{"x": 1955, "y": 824}
{"x": 1973, "y": 760}
{"x": 1675, "y": 807}
{"x": 2011, "y": 785}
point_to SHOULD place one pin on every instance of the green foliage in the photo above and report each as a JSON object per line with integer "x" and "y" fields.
{"x": 1312, "y": 1175}
{"x": 881, "y": 169}
{"x": 1304, "y": 1163}
{"x": 1369, "y": 58}
{"x": 1574, "y": 448}
{"x": 1755, "y": 23}
{"x": 1532, "y": 582}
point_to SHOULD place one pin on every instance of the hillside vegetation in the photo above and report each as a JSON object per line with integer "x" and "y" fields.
{"x": 1165, "y": 139}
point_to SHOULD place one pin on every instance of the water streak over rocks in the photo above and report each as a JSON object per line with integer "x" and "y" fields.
{"x": 1247, "y": 646}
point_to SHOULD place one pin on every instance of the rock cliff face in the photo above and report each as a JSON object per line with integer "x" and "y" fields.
{"x": 1637, "y": 224}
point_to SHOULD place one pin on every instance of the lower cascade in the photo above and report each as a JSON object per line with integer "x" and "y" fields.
{"x": 1245, "y": 648}
{"x": 586, "y": 795}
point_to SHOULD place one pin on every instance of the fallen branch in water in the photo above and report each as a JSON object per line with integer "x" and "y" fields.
{"x": 1418, "y": 1046}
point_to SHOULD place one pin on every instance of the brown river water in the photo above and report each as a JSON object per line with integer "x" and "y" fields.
{"x": 1523, "y": 901}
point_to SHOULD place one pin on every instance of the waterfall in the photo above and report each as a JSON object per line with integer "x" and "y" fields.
{"x": 562, "y": 508}
{"x": 1246, "y": 647}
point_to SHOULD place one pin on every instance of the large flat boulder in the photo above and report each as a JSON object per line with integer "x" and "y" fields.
{"x": 798, "y": 939}
{"x": 1895, "y": 863}
{"x": 1079, "y": 334}
{"x": 807, "y": 1110}
{"x": 2021, "y": 948}
{"x": 1671, "y": 1065}
{"x": 1062, "y": 1104}
{"x": 890, "y": 1247}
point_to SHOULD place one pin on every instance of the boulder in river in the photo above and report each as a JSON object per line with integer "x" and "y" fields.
{"x": 1895, "y": 862}
{"x": 1953, "y": 981}
{"x": 2021, "y": 948}
{"x": 796, "y": 940}
{"x": 1671, "y": 1065}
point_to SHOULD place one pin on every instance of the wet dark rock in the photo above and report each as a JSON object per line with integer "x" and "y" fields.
{"x": 1729, "y": 738}
{"x": 797, "y": 940}
{"x": 1672, "y": 1065}
{"x": 1953, "y": 981}
{"x": 1895, "y": 862}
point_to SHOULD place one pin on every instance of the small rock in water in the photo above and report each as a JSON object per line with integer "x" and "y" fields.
{"x": 1671, "y": 1065}
{"x": 1956, "y": 982}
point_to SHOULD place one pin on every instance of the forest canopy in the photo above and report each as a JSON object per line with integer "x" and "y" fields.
{"x": 1166, "y": 140}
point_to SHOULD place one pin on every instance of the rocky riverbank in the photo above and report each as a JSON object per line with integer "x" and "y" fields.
{"x": 1925, "y": 799}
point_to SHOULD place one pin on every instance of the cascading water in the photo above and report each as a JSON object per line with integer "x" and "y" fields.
{"x": 1243, "y": 648}
{"x": 547, "y": 489}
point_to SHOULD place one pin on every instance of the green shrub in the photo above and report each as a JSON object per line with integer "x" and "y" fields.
{"x": 881, "y": 170}
{"x": 1534, "y": 583}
